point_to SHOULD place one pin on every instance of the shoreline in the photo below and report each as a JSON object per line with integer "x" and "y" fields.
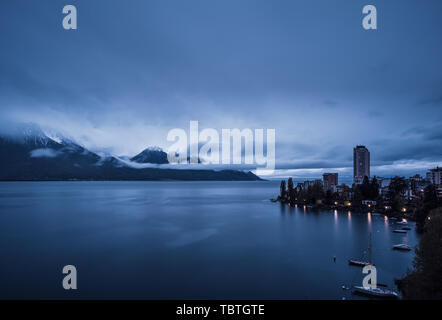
{"x": 358, "y": 209}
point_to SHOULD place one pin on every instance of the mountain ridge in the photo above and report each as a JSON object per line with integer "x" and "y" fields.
{"x": 153, "y": 155}
{"x": 33, "y": 156}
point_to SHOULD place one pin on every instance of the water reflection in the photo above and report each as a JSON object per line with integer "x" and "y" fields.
{"x": 369, "y": 220}
{"x": 292, "y": 209}
{"x": 282, "y": 208}
{"x": 210, "y": 225}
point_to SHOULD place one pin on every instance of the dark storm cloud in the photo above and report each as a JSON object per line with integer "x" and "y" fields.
{"x": 437, "y": 100}
{"x": 413, "y": 151}
{"x": 134, "y": 70}
{"x": 16, "y": 82}
{"x": 428, "y": 133}
{"x": 374, "y": 114}
{"x": 331, "y": 103}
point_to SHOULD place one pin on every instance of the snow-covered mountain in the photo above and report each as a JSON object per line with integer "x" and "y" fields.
{"x": 151, "y": 155}
{"x": 28, "y": 153}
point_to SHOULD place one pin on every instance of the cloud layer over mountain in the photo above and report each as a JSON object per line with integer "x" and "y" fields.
{"x": 130, "y": 73}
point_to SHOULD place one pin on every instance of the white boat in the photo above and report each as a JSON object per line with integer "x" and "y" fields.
{"x": 402, "y": 246}
{"x": 404, "y": 223}
{"x": 381, "y": 291}
{"x": 378, "y": 292}
{"x": 400, "y": 231}
{"x": 358, "y": 263}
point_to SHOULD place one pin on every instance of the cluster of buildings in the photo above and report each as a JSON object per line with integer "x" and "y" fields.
{"x": 361, "y": 169}
{"x": 433, "y": 176}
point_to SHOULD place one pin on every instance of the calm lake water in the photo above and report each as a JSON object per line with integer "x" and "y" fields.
{"x": 184, "y": 240}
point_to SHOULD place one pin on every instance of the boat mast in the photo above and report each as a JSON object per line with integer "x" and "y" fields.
{"x": 369, "y": 249}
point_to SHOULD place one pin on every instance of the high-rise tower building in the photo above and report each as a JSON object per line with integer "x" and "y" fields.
{"x": 361, "y": 164}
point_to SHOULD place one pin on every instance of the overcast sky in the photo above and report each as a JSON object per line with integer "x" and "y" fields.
{"x": 135, "y": 69}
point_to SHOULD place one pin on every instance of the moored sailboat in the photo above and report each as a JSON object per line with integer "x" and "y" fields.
{"x": 402, "y": 246}
{"x": 359, "y": 263}
{"x": 376, "y": 292}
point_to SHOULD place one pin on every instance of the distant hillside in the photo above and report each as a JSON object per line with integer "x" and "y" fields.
{"x": 151, "y": 155}
{"x": 32, "y": 155}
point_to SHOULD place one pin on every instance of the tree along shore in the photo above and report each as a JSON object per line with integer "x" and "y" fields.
{"x": 364, "y": 197}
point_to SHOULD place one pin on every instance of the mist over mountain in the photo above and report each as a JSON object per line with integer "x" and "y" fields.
{"x": 28, "y": 153}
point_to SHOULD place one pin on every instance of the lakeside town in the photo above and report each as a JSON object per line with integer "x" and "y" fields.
{"x": 411, "y": 198}
{"x": 416, "y": 198}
